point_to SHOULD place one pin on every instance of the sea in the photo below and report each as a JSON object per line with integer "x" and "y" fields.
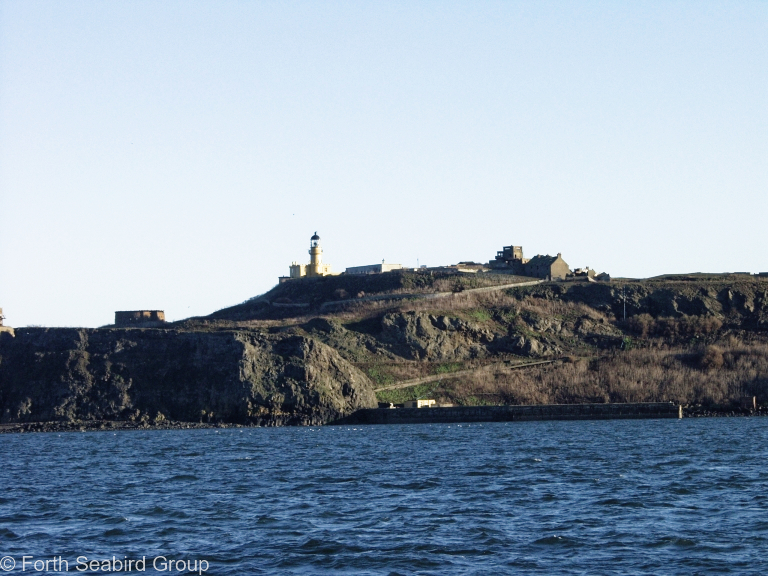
{"x": 578, "y": 497}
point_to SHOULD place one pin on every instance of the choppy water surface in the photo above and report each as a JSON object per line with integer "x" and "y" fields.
{"x": 610, "y": 497}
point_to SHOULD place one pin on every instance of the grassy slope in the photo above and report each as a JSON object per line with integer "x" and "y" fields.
{"x": 314, "y": 292}
{"x": 693, "y": 339}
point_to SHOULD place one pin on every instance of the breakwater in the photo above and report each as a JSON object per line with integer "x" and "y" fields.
{"x": 514, "y": 413}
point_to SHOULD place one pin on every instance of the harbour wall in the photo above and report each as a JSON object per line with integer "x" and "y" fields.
{"x": 514, "y": 413}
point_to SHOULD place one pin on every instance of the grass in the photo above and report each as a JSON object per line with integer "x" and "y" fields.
{"x": 479, "y": 315}
{"x": 475, "y": 401}
{"x": 448, "y": 368}
{"x": 379, "y": 376}
{"x": 405, "y": 394}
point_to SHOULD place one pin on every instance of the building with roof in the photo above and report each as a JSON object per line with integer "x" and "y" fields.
{"x": 548, "y": 267}
{"x": 373, "y": 268}
{"x": 540, "y": 266}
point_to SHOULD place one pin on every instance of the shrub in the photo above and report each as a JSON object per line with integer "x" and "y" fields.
{"x": 379, "y": 376}
{"x": 641, "y": 324}
{"x": 685, "y": 326}
{"x": 711, "y": 358}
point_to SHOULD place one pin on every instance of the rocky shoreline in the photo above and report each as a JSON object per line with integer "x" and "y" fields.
{"x": 728, "y": 412}
{"x": 119, "y": 425}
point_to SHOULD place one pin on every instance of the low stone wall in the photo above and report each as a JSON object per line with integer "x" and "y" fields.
{"x": 514, "y": 413}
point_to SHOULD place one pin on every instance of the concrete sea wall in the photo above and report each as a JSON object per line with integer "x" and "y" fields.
{"x": 514, "y": 413}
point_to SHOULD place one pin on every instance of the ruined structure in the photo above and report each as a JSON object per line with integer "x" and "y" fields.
{"x": 585, "y": 272}
{"x": 315, "y": 266}
{"x": 511, "y": 256}
{"x": 547, "y": 267}
{"x": 1, "y": 317}
{"x": 140, "y": 318}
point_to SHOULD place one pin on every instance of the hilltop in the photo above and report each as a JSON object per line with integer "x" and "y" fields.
{"x": 324, "y": 293}
{"x": 315, "y": 349}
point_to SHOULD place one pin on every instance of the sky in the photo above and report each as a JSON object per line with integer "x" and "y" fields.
{"x": 178, "y": 155}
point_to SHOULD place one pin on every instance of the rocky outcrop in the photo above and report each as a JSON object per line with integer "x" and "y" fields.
{"x": 150, "y": 375}
{"x": 533, "y": 347}
{"x": 424, "y": 336}
{"x": 743, "y": 304}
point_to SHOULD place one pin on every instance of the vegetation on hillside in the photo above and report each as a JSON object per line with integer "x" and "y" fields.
{"x": 694, "y": 340}
{"x": 295, "y": 297}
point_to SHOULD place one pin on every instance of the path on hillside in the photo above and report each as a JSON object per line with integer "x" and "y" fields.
{"x": 448, "y": 375}
{"x": 427, "y": 296}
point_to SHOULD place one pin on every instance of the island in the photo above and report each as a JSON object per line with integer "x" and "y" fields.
{"x": 321, "y": 347}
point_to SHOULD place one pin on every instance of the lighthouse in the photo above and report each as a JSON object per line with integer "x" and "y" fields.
{"x": 315, "y": 266}
{"x": 315, "y": 257}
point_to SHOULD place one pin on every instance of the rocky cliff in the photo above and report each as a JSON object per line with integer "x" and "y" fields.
{"x": 149, "y": 375}
{"x": 267, "y": 362}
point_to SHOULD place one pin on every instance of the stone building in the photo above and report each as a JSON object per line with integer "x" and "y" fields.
{"x": 547, "y": 267}
{"x": 509, "y": 256}
{"x": 1, "y": 317}
{"x": 315, "y": 266}
{"x": 140, "y": 318}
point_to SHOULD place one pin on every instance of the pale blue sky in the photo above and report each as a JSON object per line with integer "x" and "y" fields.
{"x": 179, "y": 155}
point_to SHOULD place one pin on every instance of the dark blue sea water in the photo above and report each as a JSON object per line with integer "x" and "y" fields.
{"x": 607, "y": 497}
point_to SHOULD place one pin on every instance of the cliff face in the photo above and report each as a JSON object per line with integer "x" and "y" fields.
{"x": 743, "y": 304}
{"x": 59, "y": 374}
